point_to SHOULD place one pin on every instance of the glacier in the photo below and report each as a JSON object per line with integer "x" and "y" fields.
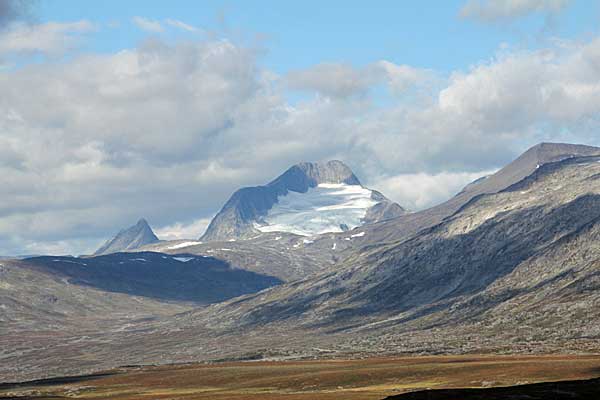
{"x": 325, "y": 208}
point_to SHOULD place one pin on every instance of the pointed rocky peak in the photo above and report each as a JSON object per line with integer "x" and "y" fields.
{"x": 307, "y": 199}
{"x": 130, "y": 238}
{"x": 143, "y": 224}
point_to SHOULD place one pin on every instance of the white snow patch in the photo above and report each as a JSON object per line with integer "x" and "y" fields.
{"x": 226, "y": 249}
{"x": 278, "y": 238}
{"x": 334, "y": 246}
{"x": 139, "y": 259}
{"x": 183, "y": 259}
{"x": 306, "y": 241}
{"x": 184, "y": 244}
{"x": 321, "y": 209}
{"x": 359, "y": 234}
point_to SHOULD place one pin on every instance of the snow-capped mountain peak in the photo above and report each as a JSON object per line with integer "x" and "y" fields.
{"x": 307, "y": 199}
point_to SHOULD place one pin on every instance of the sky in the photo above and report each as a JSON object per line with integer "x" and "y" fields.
{"x": 112, "y": 111}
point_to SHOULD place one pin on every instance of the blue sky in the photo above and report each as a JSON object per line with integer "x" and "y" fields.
{"x": 116, "y": 110}
{"x": 426, "y": 34}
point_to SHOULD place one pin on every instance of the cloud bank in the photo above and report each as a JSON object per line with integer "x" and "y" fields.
{"x": 168, "y": 131}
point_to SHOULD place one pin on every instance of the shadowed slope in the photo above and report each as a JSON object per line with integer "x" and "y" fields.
{"x": 181, "y": 277}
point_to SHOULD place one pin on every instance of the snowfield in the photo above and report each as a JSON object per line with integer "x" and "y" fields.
{"x": 325, "y": 208}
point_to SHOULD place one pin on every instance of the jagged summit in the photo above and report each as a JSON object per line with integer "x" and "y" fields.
{"x": 130, "y": 238}
{"x": 327, "y": 192}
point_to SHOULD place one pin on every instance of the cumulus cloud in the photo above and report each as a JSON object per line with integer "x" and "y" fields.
{"x": 519, "y": 89}
{"x": 340, "y": 80}
{"x": 419, "y": 191}
{"x": 178, "y": 230}
{"x": 48, "y": 39}
{"x": 400, "y": 77}
{"x": 169, "y": 131}
{"x": 148, "y": 25}
{"x": 331, "y": 79}
{"x": 499, "y": 10}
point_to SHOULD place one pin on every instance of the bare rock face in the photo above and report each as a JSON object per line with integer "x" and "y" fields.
{"x": 131, "y": 238}
{"x": 248, "y": 206}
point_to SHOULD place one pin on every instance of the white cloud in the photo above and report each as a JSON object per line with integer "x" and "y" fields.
{"x": 339, "y": 80}
{"x": 148, "y": 25}
{"x": 192, "y": 230}
{"x": 181, "y": 25}
{"x": 497, "y": 10}
{"x": 522, "y": 88}
{"x": 50, "y": 39}
{"x": 331, "y": 79}
{"x": 421, "y": 190}
{"x": 402, "y": 77}
{"x": 169, "y": 131}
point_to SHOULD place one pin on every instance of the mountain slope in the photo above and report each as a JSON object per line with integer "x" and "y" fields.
{"x": 283, "y": 255}
{"x": 407, "y": 225}
{"x": 525, "y": 257}
{"x": 131, "y": 238}
{"x": 307, "y": 199}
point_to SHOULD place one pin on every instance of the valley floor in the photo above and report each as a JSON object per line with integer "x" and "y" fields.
{"x": 372, "y": 378}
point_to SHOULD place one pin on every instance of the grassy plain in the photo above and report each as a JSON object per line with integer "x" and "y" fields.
{"x": 364, "y": 379}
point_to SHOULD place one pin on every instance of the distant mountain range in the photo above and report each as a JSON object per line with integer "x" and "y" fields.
{"x": 509, "y": 264}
